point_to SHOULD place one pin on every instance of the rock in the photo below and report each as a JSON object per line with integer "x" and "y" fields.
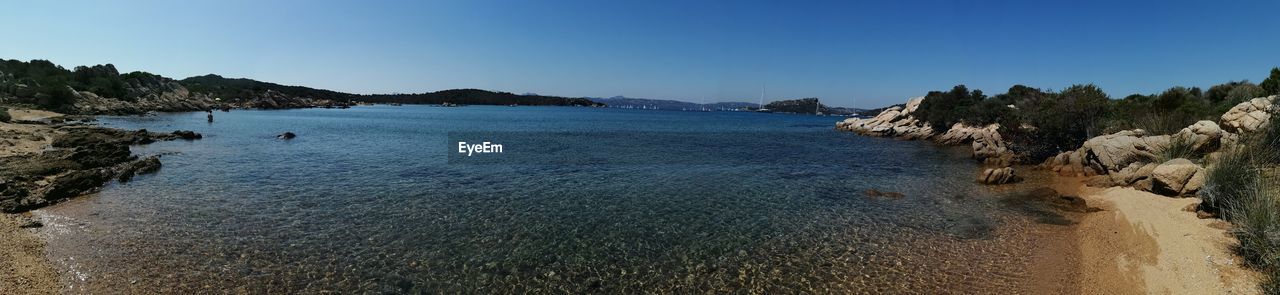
{"x": 892, "y": 122}
{"x": 873, "y": 193}
{"x": 144, "y": 166}
{"x": 1049, "y": 197}
{"x": 286, "y": 135}
{"x": 187, "y": 134}
{"x": 25, "y": 221}
{"x": 1250, "y": 115}
{"x": 998, "y": 176}
{"x": 1193, "y": 207}
{"x": 1204, "y": 215}
{"x": 1110, "y": 153}
{"x": 1171, "y": 177}
{"x": 1205, "y": 136}
{"x": 76, "y": 183}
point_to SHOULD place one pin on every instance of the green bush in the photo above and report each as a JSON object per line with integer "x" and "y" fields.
{"x": 1178, "y": 147}
{"x": 4, "y": 114}
{"x": 943, "y": 109}
{"x": 1271, "y": 86}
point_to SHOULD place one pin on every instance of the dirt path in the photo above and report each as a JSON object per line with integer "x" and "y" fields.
{"x": 1146, "y": 243}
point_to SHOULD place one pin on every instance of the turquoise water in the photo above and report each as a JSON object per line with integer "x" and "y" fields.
{"x": 374, "y": 199}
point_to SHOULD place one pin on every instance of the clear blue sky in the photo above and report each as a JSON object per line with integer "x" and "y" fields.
{"x": 849, "y": 54}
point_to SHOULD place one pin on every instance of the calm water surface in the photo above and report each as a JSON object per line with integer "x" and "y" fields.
{"x": 367, "y": 200}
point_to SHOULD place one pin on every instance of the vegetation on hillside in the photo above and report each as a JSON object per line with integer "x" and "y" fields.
{"x": 241, "y": 88}
{"x": 4, "y": 115}
{"x": 1049, "y": 122}
{"x": 46, "y": 84}
{"x": 477, "y": 97}
{"x": 797, "y": 106}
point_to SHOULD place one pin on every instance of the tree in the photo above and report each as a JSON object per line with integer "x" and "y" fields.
{"x": 1244, "y": 92}
{"x": 1271, "y": 86}
{"x": 942, "y": 109}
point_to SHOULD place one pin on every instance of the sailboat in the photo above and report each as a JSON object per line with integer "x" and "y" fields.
{"x": 817, "y": 107}
{"x": 761, "y": 105}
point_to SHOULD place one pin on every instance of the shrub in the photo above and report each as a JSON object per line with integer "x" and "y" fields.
{"x": 1266, "y": 141}
{"x": 942, "y": 109}
{"x": 1229, "y": 179}
{"x": 1245, "y": 92}
{"x": 1271, "y": 85}
{"x": 4, "y": 115}
{"x": 1256, "y": 215}
{"x": 1178, "y": 147}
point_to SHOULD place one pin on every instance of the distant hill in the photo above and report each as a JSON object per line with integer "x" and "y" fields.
{"x": 666, "y": 104}
{"x": 231, "y": 88}
{"x": 476, "y": 97}
{"x": 807, "y": 106}
{"x": 101, "y": 89}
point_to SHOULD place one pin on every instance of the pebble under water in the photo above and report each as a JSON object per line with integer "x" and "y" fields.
{"x": 369, "y": 200}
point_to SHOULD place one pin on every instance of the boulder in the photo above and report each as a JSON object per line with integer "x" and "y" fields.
{"x": 1172, "y": 177}
{"x": 144, "y": 166}
{"x": 1110, "y": 153}
{"x": 998, "y": 176}
{"x": 1250, "y": 115}
{"x": 187, "y": 134}
{"x": 1205, "y": 136}
{"x": 286, "y": 135}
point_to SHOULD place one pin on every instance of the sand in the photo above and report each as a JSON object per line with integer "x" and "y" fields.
{"x": 31, "y": 115}
{"x": 22, "y": 139}
{"x": 1146, "y": 243}
{"x": 23, "y": 266}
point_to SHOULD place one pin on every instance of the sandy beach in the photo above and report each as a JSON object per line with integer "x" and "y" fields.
{"x": 23, "y": 266}
{"x": 1146, "y": 243}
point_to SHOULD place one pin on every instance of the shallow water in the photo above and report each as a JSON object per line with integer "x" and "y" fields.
{"x": 373, "y": 199}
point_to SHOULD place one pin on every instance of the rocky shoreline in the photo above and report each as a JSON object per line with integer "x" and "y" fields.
{"x": 49, "y": 159}
{"x": 1130, "y": 164}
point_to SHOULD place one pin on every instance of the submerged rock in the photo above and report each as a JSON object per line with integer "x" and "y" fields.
{"x": 998, "y": 176}
{"x": 144, "y": 166}
{"x": 286, "y": 135}
{"x": 188, "y": 135}
{"x": 874, "y": 193}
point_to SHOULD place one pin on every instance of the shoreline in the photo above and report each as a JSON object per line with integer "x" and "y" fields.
{"x": 1142, "y": 242}
{"x": 1139, "y": 242}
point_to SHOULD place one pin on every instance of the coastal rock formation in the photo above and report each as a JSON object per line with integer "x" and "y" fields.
{"x": 1177, "y": 177}
{"x": 892, "y": 122}
{"x": 1250, "y": 115}
{"x": 1108, "y": 153}
{"x": 78, "y": 160}
{"x": 998, "y": 176}
{"x": 898, "y": 122}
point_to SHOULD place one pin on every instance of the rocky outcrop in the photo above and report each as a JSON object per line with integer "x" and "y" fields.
{"x": 1129, "y": 158}
{"x": 998, "y": 176}
{"x": 1108, "y": 153}
{"x": 1251, "y": 115}
{"x": 892, "y": 122}
{"x": 78, "y": 160}
{"x": 899, "y": 122}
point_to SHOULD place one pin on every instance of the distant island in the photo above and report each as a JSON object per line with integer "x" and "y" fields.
{"x": 103, "y": 90}
{"x": 666, "y": 104}
{"x": 810, "y": 106}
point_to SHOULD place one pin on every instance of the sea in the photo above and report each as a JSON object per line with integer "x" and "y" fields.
{"x": 379, "y": 199}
